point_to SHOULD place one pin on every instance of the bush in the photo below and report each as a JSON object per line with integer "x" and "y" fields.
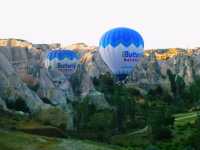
{"x": 101, "y": 121}
{"x": 193, "y": 140}
{"x": 18, "y": 105}
{"x": 54, "y": 117}
{"x": 121, "y": 97}
{"x": 160, "y": 121}
{"x": 151, "y": 147}
{"x": 162, "y": 133}
{"x": 83, "y": 112}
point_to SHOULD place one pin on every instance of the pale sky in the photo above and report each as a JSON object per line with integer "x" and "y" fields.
{"x": 162, "y": 23}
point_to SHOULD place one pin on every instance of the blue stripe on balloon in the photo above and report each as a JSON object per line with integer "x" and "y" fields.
{"x": 60, "y": 54}
{"x": 122, "y": 35}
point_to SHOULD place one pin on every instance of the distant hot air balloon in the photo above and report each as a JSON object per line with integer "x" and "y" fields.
{"x": 63, "y": 60}
{"x": 121, "y": 49}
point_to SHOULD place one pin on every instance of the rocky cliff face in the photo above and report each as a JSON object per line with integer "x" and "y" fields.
{"x": 25, "y": 84}
{"x": 150, "y": 72}
{"x": 14, "y": 91}
{"x": 147, "y": 75}
{"x": 94, "y": 64}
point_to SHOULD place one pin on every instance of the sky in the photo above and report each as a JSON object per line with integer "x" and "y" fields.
{"x": 162, "y": 23}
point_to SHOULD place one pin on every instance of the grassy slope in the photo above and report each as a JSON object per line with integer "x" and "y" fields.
{"x": 141, "y": 140}
{"x": 21, "y": 141}
{"x": 185, "y": 118}
{"x": 10, "y": 139}
{"x": 138, "y": 140}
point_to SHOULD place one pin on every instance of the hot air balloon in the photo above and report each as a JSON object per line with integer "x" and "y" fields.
{"x": 63, "y": 60}
{"x": 121, "y": 49}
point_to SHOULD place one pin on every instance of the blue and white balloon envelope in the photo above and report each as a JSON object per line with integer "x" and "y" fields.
{"x": 121, "y": 49}
{"x": 63, "y": 60}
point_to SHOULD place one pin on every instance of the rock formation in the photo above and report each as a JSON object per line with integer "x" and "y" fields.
{"x": 26, "y": 85}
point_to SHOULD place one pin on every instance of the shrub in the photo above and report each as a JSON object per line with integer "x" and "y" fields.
{"x": 53, "y": 116}
{"x": 18, "y": 105}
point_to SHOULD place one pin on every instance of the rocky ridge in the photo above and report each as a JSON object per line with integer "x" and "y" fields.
{"x": 27, "y": 86}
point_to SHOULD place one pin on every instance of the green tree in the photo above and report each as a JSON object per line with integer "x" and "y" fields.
{"x": 151, "y": 147}
{"x": 121, "y": 97}
{"x": 177, "y": 85}
{"x": 101, "y": 123}
{"x": 84, "y": 111}
{"x": 160, "y": 122}
{"x": 193, "y": 93}
{"x": 192, "y": 142}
